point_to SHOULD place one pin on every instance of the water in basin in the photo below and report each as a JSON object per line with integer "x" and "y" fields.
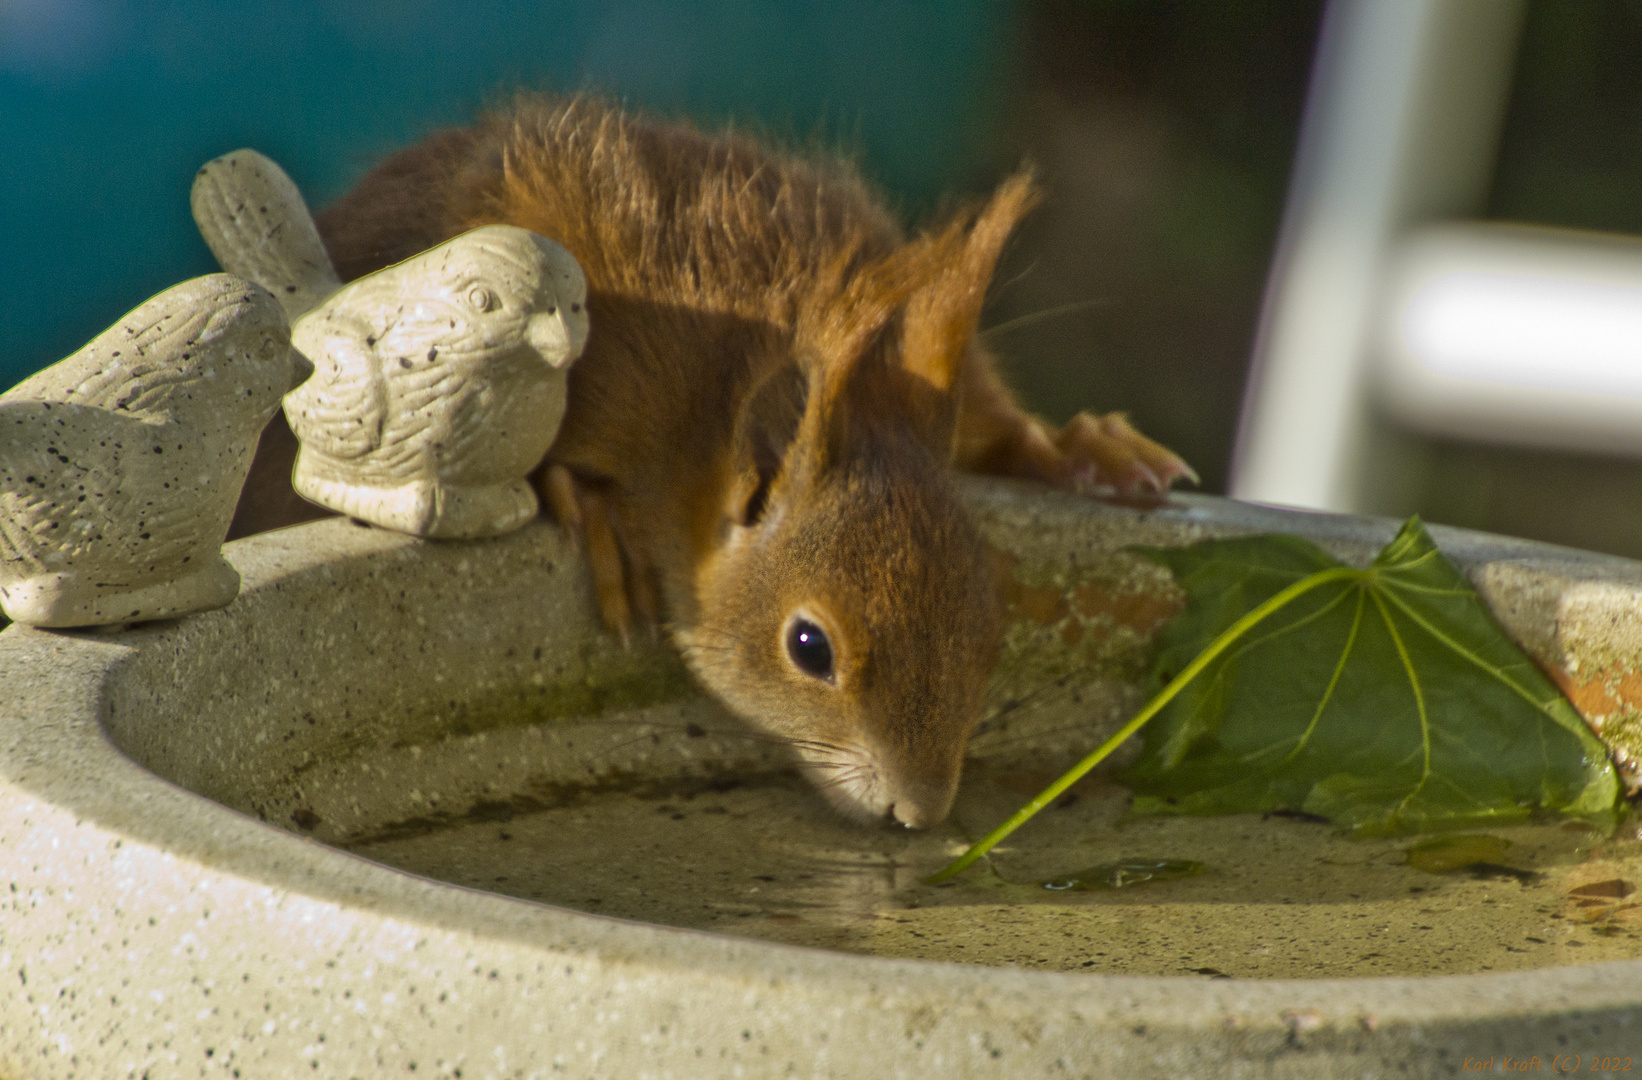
{"x": 760, "y": 855}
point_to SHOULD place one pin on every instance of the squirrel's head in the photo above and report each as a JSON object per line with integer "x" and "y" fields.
{"x": 849, "y": 607}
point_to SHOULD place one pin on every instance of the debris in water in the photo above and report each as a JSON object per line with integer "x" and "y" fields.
{"x": 1126, "y": 872}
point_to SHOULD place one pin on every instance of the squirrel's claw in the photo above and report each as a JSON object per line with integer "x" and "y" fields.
{"x": 623, "y": 578}
{"x": 558, "y": 489}
{"x": 1107, "y": 451}
{"x": 604, "y": 561}
{"x": 995, "y": 436}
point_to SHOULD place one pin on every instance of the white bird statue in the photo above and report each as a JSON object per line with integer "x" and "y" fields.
{"x": 120, "y": 465}
{"x": 440, "y": 384}
{"x": 255, "y": 222}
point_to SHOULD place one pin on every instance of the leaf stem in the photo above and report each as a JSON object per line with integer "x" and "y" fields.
{"x": 1152, "y": 708}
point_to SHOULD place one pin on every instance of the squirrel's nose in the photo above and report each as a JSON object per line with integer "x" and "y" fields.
{"x": 922, "y": 809}
{"x": 913, "y": 816}
{"x": 919, "y": 790}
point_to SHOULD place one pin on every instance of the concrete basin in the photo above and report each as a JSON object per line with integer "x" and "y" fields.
{"x": 176, "y": 800}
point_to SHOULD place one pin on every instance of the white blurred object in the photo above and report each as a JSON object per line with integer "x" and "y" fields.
{"x": 1401, "y": 126}
{"x": 1513, "y": 334}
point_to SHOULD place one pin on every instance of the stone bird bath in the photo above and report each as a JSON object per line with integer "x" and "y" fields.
{"x": 176, "y": 799}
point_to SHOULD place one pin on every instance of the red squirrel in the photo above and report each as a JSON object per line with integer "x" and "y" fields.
{"x": 758, "y": 446}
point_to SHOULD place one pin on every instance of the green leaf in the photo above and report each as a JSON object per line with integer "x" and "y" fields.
{"x": 1386, "y": 699}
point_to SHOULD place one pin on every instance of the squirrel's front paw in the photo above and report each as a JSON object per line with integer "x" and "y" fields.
{"x": 1107, "y": 452}
{"x": 1094, "y": 452}
{"x": 623, "y": 579}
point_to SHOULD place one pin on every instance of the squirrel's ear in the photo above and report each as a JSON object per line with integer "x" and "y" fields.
{"x": 942, "y": 314}
{"x": 842, "y": 331}
{"x": 764, "y": 430}
{"x": 890, "y": 335}
{"x": 821, "y": 439}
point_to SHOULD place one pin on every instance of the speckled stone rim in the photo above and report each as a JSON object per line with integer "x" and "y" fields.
{"x": 147, "y": 929}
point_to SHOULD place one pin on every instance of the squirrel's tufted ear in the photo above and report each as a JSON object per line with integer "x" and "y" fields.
{"x": 842, "y": 331}
{"x": 891, "y": 334}
{"x": 942, "y": 315}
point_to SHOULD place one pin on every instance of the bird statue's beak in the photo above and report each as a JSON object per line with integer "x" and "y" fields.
{"x": 301, "y": 369}
{"x": 549, "y": 336}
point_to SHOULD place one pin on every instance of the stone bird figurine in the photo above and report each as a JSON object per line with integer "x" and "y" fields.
{"x": 439, "y": 384}
{"x": 254, "y": 220}
{"x": 120, "y": 465}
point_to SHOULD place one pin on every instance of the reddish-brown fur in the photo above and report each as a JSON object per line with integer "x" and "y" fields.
{"x": 775, "y": 386}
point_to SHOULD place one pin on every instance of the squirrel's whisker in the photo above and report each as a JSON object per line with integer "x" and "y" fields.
{"x": 1047, "y": 313}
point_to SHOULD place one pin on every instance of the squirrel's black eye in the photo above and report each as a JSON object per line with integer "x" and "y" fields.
{"x": 809, "y": 648}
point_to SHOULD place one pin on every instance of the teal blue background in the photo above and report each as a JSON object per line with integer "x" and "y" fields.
{"x": 107, "y": 107}
{"x": 1162, "y": 130}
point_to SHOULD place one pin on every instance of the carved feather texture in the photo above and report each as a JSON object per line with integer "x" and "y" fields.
{"x": 256, "y": 223}
{"x": 342, "y": 408}
{"x": 124, "y": 460}
{"x": 414, "y": 362}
